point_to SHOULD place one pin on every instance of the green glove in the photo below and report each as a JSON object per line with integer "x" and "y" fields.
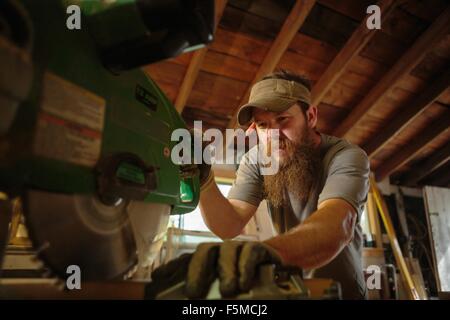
{"x": 235, "y": 264}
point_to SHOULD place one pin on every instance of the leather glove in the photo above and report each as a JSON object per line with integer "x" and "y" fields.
{"x": 234, "y": 262}
{"x": 168, "y": 275}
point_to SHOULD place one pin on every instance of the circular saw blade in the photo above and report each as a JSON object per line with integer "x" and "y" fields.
{"x": 80, "y": 230}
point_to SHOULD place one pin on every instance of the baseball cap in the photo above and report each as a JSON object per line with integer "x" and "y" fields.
{"x": 276, "y": 95}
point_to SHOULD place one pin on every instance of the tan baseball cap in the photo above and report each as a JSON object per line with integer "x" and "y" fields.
{"x": 276, "y": 95}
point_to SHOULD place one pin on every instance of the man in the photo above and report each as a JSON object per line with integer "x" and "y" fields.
{"x": 315, "y": 200}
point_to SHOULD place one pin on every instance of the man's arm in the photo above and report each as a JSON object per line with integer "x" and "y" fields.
{"x": 320, "y": 238}
{"x": 224, "y": 217}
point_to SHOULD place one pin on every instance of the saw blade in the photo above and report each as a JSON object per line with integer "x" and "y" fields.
{"x": 80, "y": 230}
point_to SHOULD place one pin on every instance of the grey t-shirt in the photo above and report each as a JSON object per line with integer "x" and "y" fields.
{"x": 344, "y": 175}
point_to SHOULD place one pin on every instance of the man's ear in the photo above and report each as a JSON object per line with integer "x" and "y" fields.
{"x": 311, "y": 116}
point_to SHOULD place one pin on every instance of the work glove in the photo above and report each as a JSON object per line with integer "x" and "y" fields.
{"x": 235, "y": 263}
{"x": 168, "y": 275}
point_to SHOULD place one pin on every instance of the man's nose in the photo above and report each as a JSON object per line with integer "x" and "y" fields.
{"x": 274, "y": 125}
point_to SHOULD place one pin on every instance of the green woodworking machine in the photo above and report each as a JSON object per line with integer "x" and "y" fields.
{"x": 85, "y": 135}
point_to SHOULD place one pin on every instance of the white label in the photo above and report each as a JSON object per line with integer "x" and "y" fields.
{"x": 70, "y": 123}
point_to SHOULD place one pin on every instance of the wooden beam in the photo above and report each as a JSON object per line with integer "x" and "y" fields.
{"x": 374, "y": 222}
{"x": 195, "y": 64}
{"x": 424, "y": 168}
{"x": 396, "y": 250}
{"x": 404, "y": 65}
{"x": 411, "y": 149}
{"x": 360, "y": 37}
{"x": 288, "y": 31}
{"x": 408, "y": 114}
{"x": 441, "y": 177}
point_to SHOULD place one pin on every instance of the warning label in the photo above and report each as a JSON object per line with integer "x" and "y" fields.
{"x": 70, "y": 123}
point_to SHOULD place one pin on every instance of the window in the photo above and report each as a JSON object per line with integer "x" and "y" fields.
{"x": 193, "y": 221}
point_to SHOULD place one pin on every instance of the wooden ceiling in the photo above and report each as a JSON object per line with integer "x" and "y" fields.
{"x": 385, "y": 90}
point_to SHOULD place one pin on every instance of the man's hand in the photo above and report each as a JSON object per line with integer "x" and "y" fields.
{"x": 234, "y": 262}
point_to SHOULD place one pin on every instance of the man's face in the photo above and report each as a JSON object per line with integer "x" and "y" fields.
{"x": 298, "y": 153}
{"x": 294, "y": 129}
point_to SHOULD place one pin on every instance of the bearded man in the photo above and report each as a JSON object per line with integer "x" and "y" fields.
{"x": 315, "y": 200}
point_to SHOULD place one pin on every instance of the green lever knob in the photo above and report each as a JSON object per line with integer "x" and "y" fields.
{"x": 186, "y": 193}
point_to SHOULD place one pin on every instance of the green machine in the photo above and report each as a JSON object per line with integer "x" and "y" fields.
{"x": 85, "y": 136}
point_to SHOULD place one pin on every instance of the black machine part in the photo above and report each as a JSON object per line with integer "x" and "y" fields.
{"x": 112, "y": 188}
{"x": 175, "y": 26}
{"x": 16, "y": 40}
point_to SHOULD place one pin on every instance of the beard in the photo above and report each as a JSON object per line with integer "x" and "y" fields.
{"x": 297, "y": 173}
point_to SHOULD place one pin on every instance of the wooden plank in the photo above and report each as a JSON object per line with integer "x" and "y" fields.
{"x": 229, "y": 66}
{"x": 306, "y": 66}
{"x": 403, "y": 26}
{"x": 410, "y": 150}
{"x": 329, "y": 26}
{"x": 406, "y": 63}
{"x": 289, "y": 29}
{"x": 254, "y": 50}
{"x": 238, "y": 20}
{"x": 417, "y": 277}
{"x": 313, "y": 48}
{"x": 167, "y": 75}
{"x": 353, "y": 9}
{"x": 424, "y": 168}
{"x": 384, "y": 49}
{"x": 342, "y": 96}
{"x": 421, "y": 123}
{"x": 232, "y": 57}
{"x": 440, "y": 178}
{"x": 408, "y": 114}
{"x": 374, "y": 221}
{"x": 388, "y": 225}
{"x": 425, "y": 10}
{"x": 442, "y": 49}
{"x": 196, "y": 62}
{"x": 328, "y": 117}
{"x": 272, "y": 10}
{"x": 430, "y": 67}
{"x": 240, "y": 45}
{"x": 357, "y": 41}
{"x": 182, "y": 59}
{"x": 438, "y": 218}
{"x": 369, "y": 67}
{"x": 189, "y": 79}
{"x": 210, "y": 119}
{"x": 216, "y": 92}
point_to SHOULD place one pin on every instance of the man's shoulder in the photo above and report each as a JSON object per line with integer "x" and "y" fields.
{"x": 250, "y": 157}
{"x": 341, "y": 151}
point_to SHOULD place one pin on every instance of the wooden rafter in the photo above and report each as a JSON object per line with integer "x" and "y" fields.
{"x": 195, "y": 64}
{"x": 441, "y": 177}
{"x": 288, "y": 31}
{"x": 411, "y": 149}
{"x": 360, "y": 37}
{"x": 424, "y": 168}
{"x": 408, "y": 114}
{"x": 404, "y": 65}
